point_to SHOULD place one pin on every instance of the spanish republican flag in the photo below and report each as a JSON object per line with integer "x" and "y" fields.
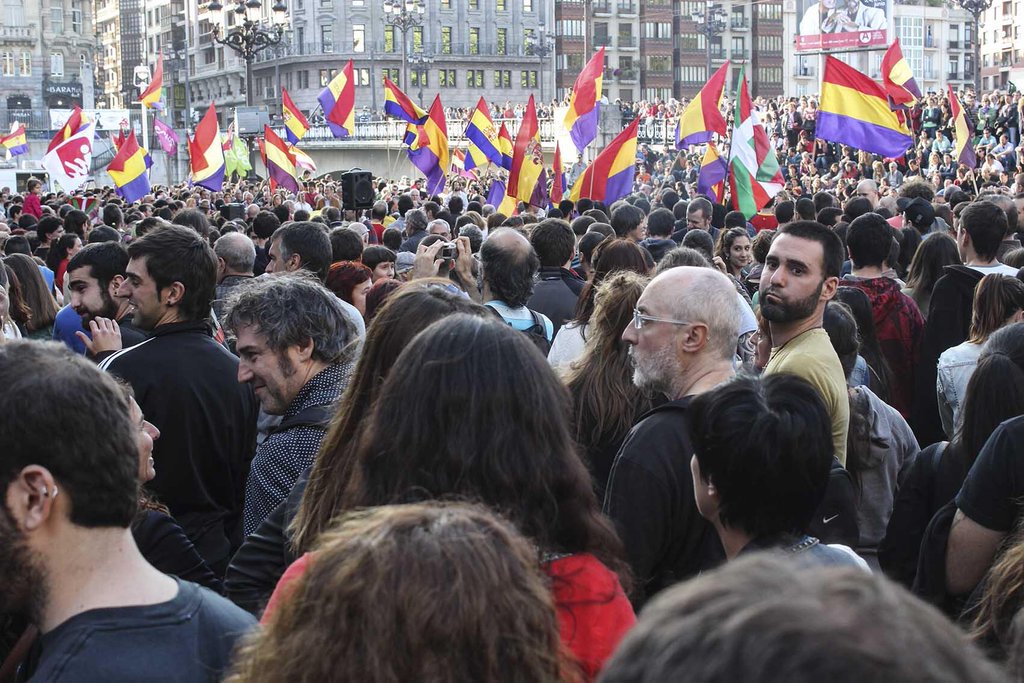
{"x": 429, "y": 153}
{"x": 963, "y": 131}
{"x": 702, "y": 115}
{"x": 16, "y": 142}
{"x": 585, "y": 102}
{"x": 610, "y": 176}
{"x": 398, "y": 104}
{"x": 338, "y": 100}
{"x": 280, "y": 162}
{"x": 898, "y": 80}
{"x": 711, "y": 179}
{"x": 500, "y": 200}
{"x": 151, "y": 96}
{"x": 295, "y": 124}
{"x": 527, "y": 159}
{"x": 205, "y": 154}
{"x": 506, "y": 147}
{"x": 558, "y": 182}
{"x": 483, "y": 138}
{"x": 854, "y": 110}
{"x": 128, "y": 170}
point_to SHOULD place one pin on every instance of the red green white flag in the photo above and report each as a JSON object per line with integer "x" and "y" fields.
{"x": 755, "y": 176}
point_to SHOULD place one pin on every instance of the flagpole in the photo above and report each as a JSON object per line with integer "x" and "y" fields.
{"x": 145, "y": 127}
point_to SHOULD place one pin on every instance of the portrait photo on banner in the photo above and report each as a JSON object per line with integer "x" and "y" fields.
{"x": 834, "y": 24}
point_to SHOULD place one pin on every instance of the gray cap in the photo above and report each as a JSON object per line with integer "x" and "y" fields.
{"x": 404, "y": 261}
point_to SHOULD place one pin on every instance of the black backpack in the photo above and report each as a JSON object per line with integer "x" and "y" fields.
{"x": 536, "y": 333}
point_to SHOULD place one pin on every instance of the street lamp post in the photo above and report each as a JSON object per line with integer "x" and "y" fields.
{"x": 975, "y": 8}
{"x": 404, "y": 15}
{"x": 710, "y": 24}
{"x": 252, "y": 36}
{"x": 541, "y": 46}
{"x": 422, "y": 62}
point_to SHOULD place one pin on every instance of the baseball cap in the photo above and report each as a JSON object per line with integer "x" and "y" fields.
{"x": 918, "y": 211}
{"x": 404, "y": 261}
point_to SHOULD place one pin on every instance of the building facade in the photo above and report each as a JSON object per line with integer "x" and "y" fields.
{"x": 120, "y": 32}
{"x": 46, "y": 60}
{"x": 937, "y": 41}
{"x": 1002, "y": 58}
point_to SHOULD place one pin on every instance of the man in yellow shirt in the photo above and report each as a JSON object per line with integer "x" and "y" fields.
{"x": 800, "y": 276}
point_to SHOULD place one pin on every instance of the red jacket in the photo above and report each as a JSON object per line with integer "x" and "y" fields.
{"x": 31, "y": 206}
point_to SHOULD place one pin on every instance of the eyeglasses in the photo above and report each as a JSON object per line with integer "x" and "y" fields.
{"x": 639, "y": 319}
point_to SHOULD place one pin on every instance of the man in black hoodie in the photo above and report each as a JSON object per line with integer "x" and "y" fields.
{"x": 982, "y": 228}
{"x": 558, "y": 289}
{"x": 660, "y": 224}
{"x": 186, "y": 384}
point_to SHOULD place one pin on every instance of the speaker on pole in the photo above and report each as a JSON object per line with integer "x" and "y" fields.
{"x": 357, "y": 190}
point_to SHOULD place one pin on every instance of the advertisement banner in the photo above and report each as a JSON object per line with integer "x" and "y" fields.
{"x": 106, "y": 119}
{"x": 842, "y": 24}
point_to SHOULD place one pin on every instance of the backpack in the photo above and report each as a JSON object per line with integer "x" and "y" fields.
{"x": 835, "y": 520}
{"x": 536, "y": 333}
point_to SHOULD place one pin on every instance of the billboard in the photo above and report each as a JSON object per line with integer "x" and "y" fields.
{"x": 842, "y": 24}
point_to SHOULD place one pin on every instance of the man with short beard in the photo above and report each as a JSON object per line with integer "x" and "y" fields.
{"x": 94, "y": 275}
{"x": 800, "y": 276}
{"x": 682, "y": 341}
{"x": 69, "y": 468}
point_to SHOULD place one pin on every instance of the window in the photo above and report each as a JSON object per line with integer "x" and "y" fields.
{"x": 394, "y": 75}
{"x": 661, "y": 30}
{"x": 14, "y": 13}
{"x": 502, "y": 44}
{"x": 446, "y": 40}
{"x": 76, "y": 16}
{"x": 527, "y": 5}
{"x": 419, "y": 77}
{"x": 502, "y": 79}
{"x": 56, "y": 64}
{"x": 57, "y": 19}
{"x": 326, "y": 4}
{"x": 389, "y": 39}
{"x": 26, "y": 64}
{"x": 326, "y": 76}
{"x": 502, "y": 5}
{"x": 474, "y": 4}
{"x": 528, "y": 79}
{"x": 7, "y": 63}
{"x": 529, "y": 38}
{"x": 474, "y": 41}
{"x": 446, "y": 4}
{"x": 303, "y": 79}
{"x": 359, "y": 37}
{"x": 417, "y": 39}
{"x": 662, "y": 63}
{"x": 569, "y": 27}
{"x": 327, "y": 37}
{"x": 362, "y": 76}
{"x": 474, "y": 78}
{"x": 446, "y": 78}
{"x": 739, "y": 49}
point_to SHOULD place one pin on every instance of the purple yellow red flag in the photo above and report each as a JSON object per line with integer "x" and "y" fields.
{"x": 16, "y": 141}
{"x": 610, "y": 176}
{"x": 151, "y": 95}
{"x": 205, "y": 154}
{"x": 338, "y": 100}
{"x": 129, "y": 170}
{"x": 702, "y": 115}
{"x": 429, "y": 152}
{"x": 483, "y": 138}
{"x": 506, "y": 147}
{"x": 854, "y": 110}
{"x": 295, "y": 123}
{"x": 280, "y": 162}
{"x": 527, "y": 159}
{"x": 711, "y": 178}
{"x": 963, "y": 133}
{"x": 900, "y": 86}
{"x": 558, "y": 181}
{"x": 585, "y": 102}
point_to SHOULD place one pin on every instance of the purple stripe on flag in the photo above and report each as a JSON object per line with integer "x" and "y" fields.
{"x": 584, "y": 129}
{"x": 860, "y": 134}
{"x": 619, "y": 185}
{"x": 428, "y": 163}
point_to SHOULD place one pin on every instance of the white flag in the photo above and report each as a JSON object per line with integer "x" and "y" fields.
{"x": 68, "y": 163}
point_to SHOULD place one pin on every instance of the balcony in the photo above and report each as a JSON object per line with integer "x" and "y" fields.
{"x": 953, "y": 76}
{"x": 627, "y": 8}
{"x": 718, "y": 53}
{"x": 739, "y": 53}
{"x": 601, "y": 8}
{"x": 628, "y": 42}
{"x": 603, "y": 41}
{"x": 628, "y": 75}
{"x": 739, "y": 23}
{"x": 33, "y": 120}
{"x": 389, "y": 50}
{"x": 19, "y": 34}
{"x": 954, "y": 45}
{"x": 806, "y": 71}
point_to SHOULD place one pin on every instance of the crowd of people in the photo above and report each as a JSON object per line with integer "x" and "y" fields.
{"x": 269, "y": 436}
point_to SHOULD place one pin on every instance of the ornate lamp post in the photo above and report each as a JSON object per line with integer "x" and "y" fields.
{"x": 252, "y": 35}
{"x": 975, "y": 8}
{"x": 709, "y": 24}
{"x": 404, "y": 15}
{"x": 541, "y": 45}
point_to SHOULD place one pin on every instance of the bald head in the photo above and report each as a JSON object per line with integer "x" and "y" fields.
{"x": 699, "y": 295}
{"x": 235, "y": 254}
{"x": 869, "y": 189}
{"x": 509, "y": 266}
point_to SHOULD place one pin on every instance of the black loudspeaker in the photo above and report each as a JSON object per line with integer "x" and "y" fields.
{"x": 357, "y": 189}
{"x": 233, "y": 212}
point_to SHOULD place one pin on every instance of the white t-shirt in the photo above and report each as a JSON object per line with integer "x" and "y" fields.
{"x": 998, "y": 269}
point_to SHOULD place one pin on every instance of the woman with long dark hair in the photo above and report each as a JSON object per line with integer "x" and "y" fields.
{"x": 606, "y": 402}
{"x": 927, "y": 266}
{"x": 872, "y": 370}
{"x": 41, "y": 305}
{"x": 66, "y": 246}
{"x": 610, "y": 255}
{"x": 476, "y": 414}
